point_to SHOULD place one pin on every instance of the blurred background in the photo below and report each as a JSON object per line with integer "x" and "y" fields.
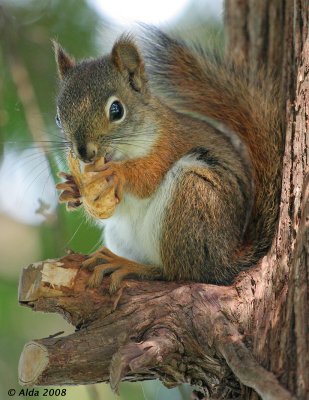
{"x": 32, "y": 225}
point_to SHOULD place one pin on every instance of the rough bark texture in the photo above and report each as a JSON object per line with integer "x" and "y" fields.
{"x": 223, "y": 340}
{"x": 275, "y": 34}
{"x": 172, "y": 331}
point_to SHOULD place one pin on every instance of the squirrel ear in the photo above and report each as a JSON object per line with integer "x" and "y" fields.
{"x": 63, "y": 60}
{"x": 127, "y": 59}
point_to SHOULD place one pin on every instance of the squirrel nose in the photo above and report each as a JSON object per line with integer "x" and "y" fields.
{"x": 87, "y": 152}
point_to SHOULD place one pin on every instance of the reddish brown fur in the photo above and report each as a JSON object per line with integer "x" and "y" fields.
{"x": 209, "y": 220}
{"x": 201, "y": 84}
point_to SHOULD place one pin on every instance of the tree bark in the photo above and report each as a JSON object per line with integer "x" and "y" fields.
{"x": 249, "y": 339}
{"x": 277, "y": 36}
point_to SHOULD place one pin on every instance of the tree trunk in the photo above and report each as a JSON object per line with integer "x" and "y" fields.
{"x": 275, "y": 34}
{"x": 249, "y": 339}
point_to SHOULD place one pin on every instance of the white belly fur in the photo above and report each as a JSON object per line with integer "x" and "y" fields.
{"x": 134, "y": 231}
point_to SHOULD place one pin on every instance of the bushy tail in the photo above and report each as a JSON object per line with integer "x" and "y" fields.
{"x": 197, "y": 82}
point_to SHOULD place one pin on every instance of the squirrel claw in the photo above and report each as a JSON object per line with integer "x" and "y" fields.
{"x": 103, "y": 254}
{"x": 65, "y": 175}
{"x": 67, "y": 185}
{"x": 70, "y": 193}
{"x": 68, "y": 196}
{"x": 72, "y": 205}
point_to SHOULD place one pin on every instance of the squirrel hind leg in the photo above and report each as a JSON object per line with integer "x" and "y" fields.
{"x": 104, "y": 262}
{"x": 202, "y": 228}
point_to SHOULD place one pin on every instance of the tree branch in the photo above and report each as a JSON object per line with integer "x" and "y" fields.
{"x": 173, "y": 331}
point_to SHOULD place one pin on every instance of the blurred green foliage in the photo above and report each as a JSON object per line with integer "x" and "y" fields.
{"x": 26, "y": 33}
{"x": 28, "y": 86}
{"x": 26, "y": 30}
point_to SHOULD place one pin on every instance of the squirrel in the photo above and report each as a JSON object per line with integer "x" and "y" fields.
{"x": 196, "y": 200}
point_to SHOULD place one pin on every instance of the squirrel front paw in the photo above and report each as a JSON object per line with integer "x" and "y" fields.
{"x": 70, "y": 192}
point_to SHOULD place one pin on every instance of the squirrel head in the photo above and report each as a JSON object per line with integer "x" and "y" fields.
{"x": 103, "y": 104}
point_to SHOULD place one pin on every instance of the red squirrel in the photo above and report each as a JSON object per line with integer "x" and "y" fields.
{"x": 195, "y": 201}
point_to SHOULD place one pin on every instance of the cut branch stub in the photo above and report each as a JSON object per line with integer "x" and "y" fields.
{"x": 173, "y": 331}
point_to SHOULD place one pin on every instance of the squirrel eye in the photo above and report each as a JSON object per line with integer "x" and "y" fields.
{"x": 58, "y": 121}
{"x": 116, "y": 111}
